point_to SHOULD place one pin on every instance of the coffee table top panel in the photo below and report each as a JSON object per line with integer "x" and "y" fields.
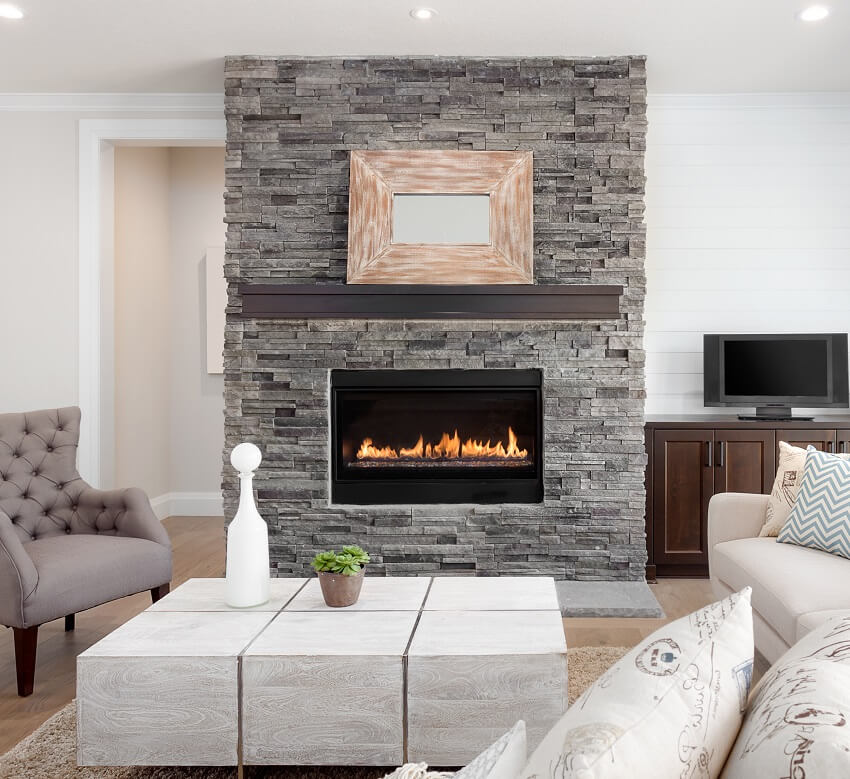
{"x": 492, "y": 593}
{"x": 341, "y": 632}
{"x": 445, "y": 633}
{"x": 208, "y": 595}
{"x": 182, "y": 634}
{"x": 379, "y": 593}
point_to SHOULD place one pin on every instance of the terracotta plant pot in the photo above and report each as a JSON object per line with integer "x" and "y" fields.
{"x": 339, "y": 590}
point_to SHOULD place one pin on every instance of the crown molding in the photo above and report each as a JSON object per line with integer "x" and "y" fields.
{"x": 112, "y": 102}
{"x": 756, "y": 100}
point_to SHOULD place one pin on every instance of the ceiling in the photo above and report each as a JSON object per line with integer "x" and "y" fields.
{"x": 179, "y": 45}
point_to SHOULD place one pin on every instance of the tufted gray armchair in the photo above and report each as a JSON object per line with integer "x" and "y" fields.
{"x": 65, "y": 546}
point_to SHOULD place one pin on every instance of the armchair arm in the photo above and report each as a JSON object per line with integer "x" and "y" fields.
{"x": 127, "y": 511}
{"x": 18, "y": 576}
{"x": 733, "y": 515}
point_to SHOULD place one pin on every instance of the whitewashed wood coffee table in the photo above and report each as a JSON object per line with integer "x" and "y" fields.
{"x": 419, "y": 669}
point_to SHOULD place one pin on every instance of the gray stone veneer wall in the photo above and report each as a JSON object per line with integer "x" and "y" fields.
{"x": 291, "y": 124}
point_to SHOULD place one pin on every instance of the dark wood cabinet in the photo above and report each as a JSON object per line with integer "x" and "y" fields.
{"x": 819, "y": 438}
{"x": 692, "y": 458}
{"x": 745, "y": 460}
{"x": 683, "y": 484}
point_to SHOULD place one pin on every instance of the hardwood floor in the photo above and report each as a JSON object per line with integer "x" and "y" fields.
{"x": 199, "y": 551}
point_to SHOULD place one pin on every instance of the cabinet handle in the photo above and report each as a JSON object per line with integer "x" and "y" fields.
{"x": 830, "y": 447}
{"x": 710, "y": 446}
{"x": 721, "y": 454}
{"x": 842, "y": 447}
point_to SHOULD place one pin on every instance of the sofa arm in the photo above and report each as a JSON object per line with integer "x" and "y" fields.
{"x": 18, "y": 575}
{"x": 733, "y": 515}
{"x": 126, "y": 511}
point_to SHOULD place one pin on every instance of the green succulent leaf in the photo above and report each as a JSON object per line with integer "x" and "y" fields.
{"x": 348, "y": 562}
{"x": 357, "y": 553}
{"x": 324, "y": 561}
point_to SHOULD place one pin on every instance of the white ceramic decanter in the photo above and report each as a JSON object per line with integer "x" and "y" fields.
{"x": 247, "y": 582}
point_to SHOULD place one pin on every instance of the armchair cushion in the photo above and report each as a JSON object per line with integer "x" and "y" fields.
{"x": 78, "y": 572}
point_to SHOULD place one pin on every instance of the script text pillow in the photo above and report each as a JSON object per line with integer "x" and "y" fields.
{"x": 670, "y": 708}
{"x": 798, "y": 721}
{"x": 820, "y": 518}
{"x": 789, "y": 474}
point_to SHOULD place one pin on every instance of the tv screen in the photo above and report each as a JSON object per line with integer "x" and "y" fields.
{"x": 787, "y": 367}
{"x": 807, "y": 370}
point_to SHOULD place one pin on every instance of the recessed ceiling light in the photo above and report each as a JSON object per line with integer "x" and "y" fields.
{"x": 9, "y": 11}
{"x": 814, "y": 13}
{"x": 423, "y": 14}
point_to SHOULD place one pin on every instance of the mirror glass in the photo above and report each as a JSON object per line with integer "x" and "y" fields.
{"x": 441, "y": 218}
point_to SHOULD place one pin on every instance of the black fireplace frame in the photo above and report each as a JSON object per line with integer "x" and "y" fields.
{"x": 394, "y": 491}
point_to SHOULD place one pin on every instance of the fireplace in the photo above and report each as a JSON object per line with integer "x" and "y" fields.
{"x": 436, "y": 436}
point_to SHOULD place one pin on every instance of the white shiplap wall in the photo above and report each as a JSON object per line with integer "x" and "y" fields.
{"x": 748, "y": 227}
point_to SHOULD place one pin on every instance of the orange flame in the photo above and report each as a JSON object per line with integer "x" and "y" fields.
{"x": 448, "y": 447}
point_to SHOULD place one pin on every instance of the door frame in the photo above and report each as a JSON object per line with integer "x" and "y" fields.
{"x": 97, "y": 140}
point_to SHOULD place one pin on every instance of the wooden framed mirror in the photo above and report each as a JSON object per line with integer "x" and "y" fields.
{"x": 440, "y": 217}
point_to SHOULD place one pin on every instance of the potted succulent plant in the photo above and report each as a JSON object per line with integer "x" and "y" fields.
{"x": 341, "y": 575}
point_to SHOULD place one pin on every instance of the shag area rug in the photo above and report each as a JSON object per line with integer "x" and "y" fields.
{"x": 50, "y": 752}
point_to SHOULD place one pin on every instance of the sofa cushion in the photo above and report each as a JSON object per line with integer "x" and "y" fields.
{"x": 812, "y": 620}
{"x": 786, "y": 486}
{"x": 820, "y": 518}
{"x": 670, "y": 707}
{"x": 787, "y": 580}
{"x": 77, "y": 572}
{"x": 798, "y": 719}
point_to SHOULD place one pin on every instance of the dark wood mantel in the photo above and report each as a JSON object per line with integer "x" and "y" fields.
{"x": 396, "y": 301}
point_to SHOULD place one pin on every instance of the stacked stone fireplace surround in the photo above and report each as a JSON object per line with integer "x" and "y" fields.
{"x": 291, "y": 124}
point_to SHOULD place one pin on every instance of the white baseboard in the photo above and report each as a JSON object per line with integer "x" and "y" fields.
{"x": 188, "y": 504}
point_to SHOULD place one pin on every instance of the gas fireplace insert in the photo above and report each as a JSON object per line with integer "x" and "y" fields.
{"x": 436, "y": 436}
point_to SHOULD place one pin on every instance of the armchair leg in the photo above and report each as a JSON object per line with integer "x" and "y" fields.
{"x": 70, "y": 622}
{"x": 26, "y": 642}
{"x": 160, "y": 592}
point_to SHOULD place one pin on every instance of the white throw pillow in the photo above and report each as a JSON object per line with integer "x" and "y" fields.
{"x": 786, "y": 486}
{"x": 503, "y": 759}
{"x": 670, "y": 708}
{"x": 798, "y": 721}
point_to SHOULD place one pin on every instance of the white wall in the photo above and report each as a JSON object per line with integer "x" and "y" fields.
{"x": 38, "y": 270}
{"x": 38, "y": 233}
{"x": 748, "y": 227}
{"x": 168, "y": 410}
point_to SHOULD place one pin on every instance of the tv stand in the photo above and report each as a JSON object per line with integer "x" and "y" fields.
{"x": 760, "y": 418}
{"x": 694, "y": 457}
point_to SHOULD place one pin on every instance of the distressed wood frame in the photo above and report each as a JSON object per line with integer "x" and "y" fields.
{"x": 376, "y": 176}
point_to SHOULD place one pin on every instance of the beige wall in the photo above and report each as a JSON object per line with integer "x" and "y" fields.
{"x": 143, "y": 320}
{"x": 168, "y": 409}
{"x": 197, "y": 397}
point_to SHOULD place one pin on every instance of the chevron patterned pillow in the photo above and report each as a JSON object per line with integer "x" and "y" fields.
{"x": 820, "y": 518}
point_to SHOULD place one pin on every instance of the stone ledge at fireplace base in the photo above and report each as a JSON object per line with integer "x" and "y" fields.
{"x": 607, "y": 599}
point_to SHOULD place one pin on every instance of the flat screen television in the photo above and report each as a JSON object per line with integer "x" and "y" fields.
{"x": 776, "y": 372}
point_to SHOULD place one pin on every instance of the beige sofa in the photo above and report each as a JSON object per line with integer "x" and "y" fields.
{"x": 794, "y": 588}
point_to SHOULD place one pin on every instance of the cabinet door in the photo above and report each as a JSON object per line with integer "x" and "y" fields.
{"x": 745, "y": 460}
{"x": 819, "y": 438}
{"x": 683, "y": 482}
{"x": 843, "y": 441}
